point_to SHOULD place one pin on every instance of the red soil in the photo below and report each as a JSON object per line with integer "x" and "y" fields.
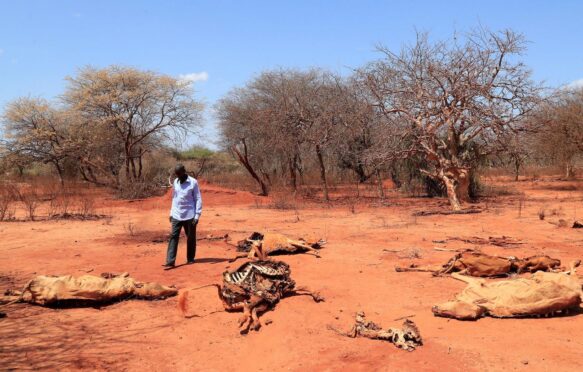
{"x": 354, "y": 273}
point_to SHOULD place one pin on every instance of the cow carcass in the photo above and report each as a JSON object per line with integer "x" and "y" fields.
{"x": 254, "y": 288}
{"x": 479, "y": 264}
{"x": 543, "y": 294}
{"x": 48, "y": 290}
{"x": 407, "y": 337}
{"x": 260, "y": 245}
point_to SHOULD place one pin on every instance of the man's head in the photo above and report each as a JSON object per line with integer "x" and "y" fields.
{"x": 180, "y": 172}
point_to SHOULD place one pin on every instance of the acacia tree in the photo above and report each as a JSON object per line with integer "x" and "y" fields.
{"x": 244, "y": 133}
{"x": 452, "y": 98}
{"x": 36, "y": 131}
{"x": 142, "y": 108}
{"x": 561, "y": 121}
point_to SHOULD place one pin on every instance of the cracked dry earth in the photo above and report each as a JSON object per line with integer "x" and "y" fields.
{"x": 355, "y": 273}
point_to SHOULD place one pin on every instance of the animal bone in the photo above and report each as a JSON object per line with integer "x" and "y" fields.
{"x": 87, "y": 289}
{"x": 406, "y": 338}
{"x": 260, "y": 246}
{"x": 474, "y": 263}
{"x": 254, "y": 288}
{"x": 541, "y": 294}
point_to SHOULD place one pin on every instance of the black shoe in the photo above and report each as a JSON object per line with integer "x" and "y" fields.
{"x": 168, "y": 266}
{"x": 189, "y": 262}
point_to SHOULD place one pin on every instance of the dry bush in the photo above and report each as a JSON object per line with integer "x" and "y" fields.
{"x": 60, "y": 205}
{"x": 283, "y": 201}
{"x": 86, "y": 208}
{"x": 30, "y": 198}
{"x": 7, "y": 197}
{"x": 140, "y": 189}
{"x": 131, "y": 229}
{"x": 495, "y": 190}
{"x": 541, "y": 214}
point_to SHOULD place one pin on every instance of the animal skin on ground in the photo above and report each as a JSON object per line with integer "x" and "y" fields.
{"x": 483, "y": 265}
{"x": 48, "y": 290}
{"x": 543, "y": 294}
{"x": 259, "y": 246}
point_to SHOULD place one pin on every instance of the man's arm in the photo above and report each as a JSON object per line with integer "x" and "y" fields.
{"x": 198, "y": 201}
{"x": 172, "y": 201}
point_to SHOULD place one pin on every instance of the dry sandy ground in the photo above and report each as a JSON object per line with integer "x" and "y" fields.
{"x": 354, "y": 273}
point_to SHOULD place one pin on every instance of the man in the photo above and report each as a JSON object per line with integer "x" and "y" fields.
{"x": 185, "y": 213}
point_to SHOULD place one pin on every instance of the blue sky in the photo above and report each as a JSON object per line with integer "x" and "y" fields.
{"x": 225, "y": 43}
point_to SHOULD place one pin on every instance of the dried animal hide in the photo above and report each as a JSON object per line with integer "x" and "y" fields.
{"x": 86, "y": 290}
{"x": 483, "y": 265}
{"x": 500, "y": 241}
{"x": 262, "y": 245}
{"x": 407, "y": 338}
{"x": 543, "y": 293}
{"x": 254, "y": 288}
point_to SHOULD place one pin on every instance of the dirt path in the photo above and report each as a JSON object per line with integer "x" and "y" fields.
{"x": 354, "y": 273}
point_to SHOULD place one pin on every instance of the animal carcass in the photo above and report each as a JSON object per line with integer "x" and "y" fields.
{"x": 483, "y": 265}
{"x": 408, "y": 337}
{"x": 86, "y": 290}
{"x": 541, "y": 294}
{"x": 262, "y": 245}
{"x": 254, "y": 288}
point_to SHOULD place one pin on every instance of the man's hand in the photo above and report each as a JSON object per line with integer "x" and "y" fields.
{"x": 194, "y": 221}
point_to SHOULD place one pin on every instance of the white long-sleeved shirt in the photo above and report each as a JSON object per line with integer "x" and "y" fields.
{"x": 186, "y": 200}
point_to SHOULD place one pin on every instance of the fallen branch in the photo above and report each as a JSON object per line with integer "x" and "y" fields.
{"x": 445, "y": 213}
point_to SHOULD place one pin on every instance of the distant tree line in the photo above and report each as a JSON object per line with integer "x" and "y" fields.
{"x": 431, "y": 113}
{"x": 103, "y": 126}
{"x": 433, "y": 110}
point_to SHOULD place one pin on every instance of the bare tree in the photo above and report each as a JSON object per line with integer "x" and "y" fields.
{"x": 561, "y": 136}
{"x": 142, "y": 108}
{"x": 36, "y": 131}
{"x": 451, "y": 99}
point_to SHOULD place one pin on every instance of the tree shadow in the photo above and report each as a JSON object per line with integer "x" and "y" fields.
{"x": 39, "y": 338}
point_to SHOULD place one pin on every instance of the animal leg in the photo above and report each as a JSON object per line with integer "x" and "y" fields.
{"x": 255, "y": 323}
{"x": 257, "y": 252}
{"x": 238, "y": 256}
{"x": 316, "y": 296}
{"x": 245, "y": 320}
{"x": 306, "y": 248}
{"x": 467, "y": 279}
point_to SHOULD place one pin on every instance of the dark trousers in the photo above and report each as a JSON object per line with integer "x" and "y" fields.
{"x": 190, "y": 231}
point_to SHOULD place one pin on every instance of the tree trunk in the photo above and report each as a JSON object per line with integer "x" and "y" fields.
{"x": 128, "y": 176}
{"x": 245, "y": 162}
{"x": 59, "y": 173}
{"x": 395, "y": 177}
{"x": 292, "y": 175}
{"x": 133, "y": 164}
{"x": 140, "y": 165}
{"x": 463, "y": 185}
{"x": 457, "y": 185}
{"x": 322, "y": 172}
{"x": 516, "y": 169}
{"x": 569, "y": 170}
{"x": 380, "y": 184}
{"x": 452, "y": 194}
